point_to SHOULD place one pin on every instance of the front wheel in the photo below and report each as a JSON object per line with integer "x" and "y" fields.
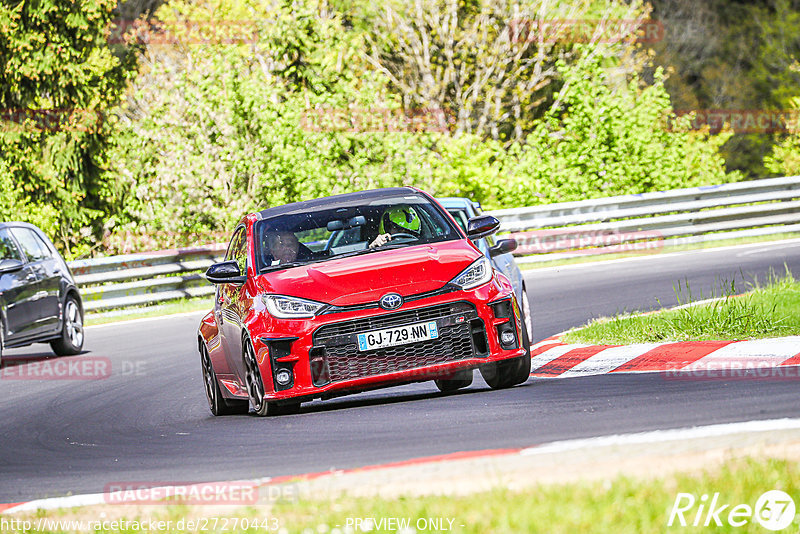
{"x": 255, "y": 388}
{"x": 507, "y": 373}
{"x": 459, "y": 380}
{"x": 527, "y": 317}
{"x": 70, "y": 342}
{"x": 216, "y": 402}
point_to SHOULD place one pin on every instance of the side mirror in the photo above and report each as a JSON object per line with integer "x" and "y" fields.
{"x": 226, "y": 272}
{"x": 10, "y": 265}
{"x": 503, "y": 246}
{"x": 482, "y": 226}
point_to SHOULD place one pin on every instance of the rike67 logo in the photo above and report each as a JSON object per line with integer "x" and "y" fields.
{"x": 773, "y": 510}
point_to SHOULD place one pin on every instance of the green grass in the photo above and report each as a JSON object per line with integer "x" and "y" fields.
{"x": 769, "y": 311}
{"x": 621, "y": 505}
{"x": 592, "y": 258}
{"x": 139, "y": 312}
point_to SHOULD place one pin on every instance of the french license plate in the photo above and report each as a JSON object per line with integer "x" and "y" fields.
{"x": 399, "y": 335}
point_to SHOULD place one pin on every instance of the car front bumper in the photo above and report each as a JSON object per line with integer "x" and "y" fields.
{"x": 321, "y": 356}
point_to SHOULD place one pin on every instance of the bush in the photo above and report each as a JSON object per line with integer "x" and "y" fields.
{"x": 606, "y": 139}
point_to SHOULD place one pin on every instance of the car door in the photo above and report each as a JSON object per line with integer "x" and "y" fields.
{"x": 229, "y": 304}
{"x": 45, "y": 301}
{"x": 16, "y": 289}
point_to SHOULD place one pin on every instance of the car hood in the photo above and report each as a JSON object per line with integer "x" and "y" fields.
{"x": 366, "y": 278}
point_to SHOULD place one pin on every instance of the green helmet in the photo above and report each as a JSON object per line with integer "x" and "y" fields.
{"x": 399, "y": 219}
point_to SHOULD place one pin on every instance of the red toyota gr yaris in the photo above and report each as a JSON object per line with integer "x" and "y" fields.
{"x": 352, "y": 292}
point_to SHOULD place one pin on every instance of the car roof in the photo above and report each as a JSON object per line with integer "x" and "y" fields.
{"x": 457, "y": 202}
{"x": 20, "y": 224}
{"x": 332, "y": 202}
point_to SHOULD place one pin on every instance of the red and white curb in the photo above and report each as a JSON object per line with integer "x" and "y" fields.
{"x": 566, "y": 446}
{"x": 552, "y": 358}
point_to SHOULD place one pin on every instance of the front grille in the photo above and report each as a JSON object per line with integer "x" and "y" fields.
{"x": 338, "y": 357}
{"x": 389, "y": 320}
{"x": 346, "y": 362}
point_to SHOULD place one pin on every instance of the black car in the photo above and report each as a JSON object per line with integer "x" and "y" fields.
{"x": 39, "y": 301}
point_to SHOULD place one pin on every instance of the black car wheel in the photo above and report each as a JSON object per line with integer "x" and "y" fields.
{"x": 255, "y": 387}
{"x": 216, "y": 402}
{"x": 461, "y": 379}
{"x": 500, "y": 375}
{"x": 70, "y": 342}
{"x": 527, "y": 316}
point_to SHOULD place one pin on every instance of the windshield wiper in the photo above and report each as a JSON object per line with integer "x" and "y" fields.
{"x": 280, "y": 266}
{"x": 351, "y": 254}
{"x": 389, "y": 245}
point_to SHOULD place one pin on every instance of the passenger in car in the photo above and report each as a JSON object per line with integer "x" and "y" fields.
{"x": 283, "y": 247}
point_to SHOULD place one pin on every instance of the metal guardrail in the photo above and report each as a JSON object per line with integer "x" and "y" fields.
{"x": 648, "y": 221}
{"x": 651, "y": 221}
{"x": 148, "y": 278}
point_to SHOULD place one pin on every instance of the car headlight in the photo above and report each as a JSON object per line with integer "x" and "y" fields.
{"x": 284, "y": 307}
{"x": 477, "y": 274}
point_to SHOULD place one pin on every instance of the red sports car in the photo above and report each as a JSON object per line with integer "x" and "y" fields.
{"x": 353, "y": 292}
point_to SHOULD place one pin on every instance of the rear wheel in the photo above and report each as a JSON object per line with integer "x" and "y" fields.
{"x": 70, "y": 342}
{"x": 216, "y": 402}
{"x": 255, "y": 387}
{"x": 458, "y": 380}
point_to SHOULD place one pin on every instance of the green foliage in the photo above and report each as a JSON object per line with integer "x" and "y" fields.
{"x": 291, "y": 103}
{"x": 732, "y": 56}
{"x": 58, "y": 77}
{"x": 610, "y": 138}
{"x": 768, "y": 311}
{"x": 15, "y": 207}
{"x": 784, "y": 160}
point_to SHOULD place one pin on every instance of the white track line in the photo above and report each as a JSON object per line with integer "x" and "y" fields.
{"x": 770, "y": 352}
{"x": 639, "y": 438}
{"x": 609, "y": 359}
{"x": 117, "y": 497}
{"x": 659, "y": 436}
{"x": 549, "y": 355}
{"x": 650, "y": 257}
{"x": 147, "y": 319}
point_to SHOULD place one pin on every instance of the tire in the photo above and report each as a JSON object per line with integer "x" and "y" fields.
{"x": 255, "y": 387}
{"x": 527, "y": 317}
{"x": 459, "y": 380}
{"x": 2, "y": 340}
{"x": 216, "y": 402}
{"x": 501, "y": 375}
{"x": 70, "y": 342}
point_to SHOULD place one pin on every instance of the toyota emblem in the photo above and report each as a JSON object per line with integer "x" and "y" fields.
{"x": 391, "y": 301}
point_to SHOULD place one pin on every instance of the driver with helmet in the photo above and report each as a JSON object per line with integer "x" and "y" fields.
{"x": 397, "y": 220}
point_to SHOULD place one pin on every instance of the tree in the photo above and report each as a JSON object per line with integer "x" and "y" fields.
{"x": 609, "y": 140}
{"x": 492, "y": 64}
{"x": 58, "y": 79}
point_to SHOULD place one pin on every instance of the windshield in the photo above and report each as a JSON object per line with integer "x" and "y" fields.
{"x": 347, "y": 229}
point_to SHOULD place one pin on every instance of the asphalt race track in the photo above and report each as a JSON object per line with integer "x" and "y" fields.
{"x": 148, "y": 421}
